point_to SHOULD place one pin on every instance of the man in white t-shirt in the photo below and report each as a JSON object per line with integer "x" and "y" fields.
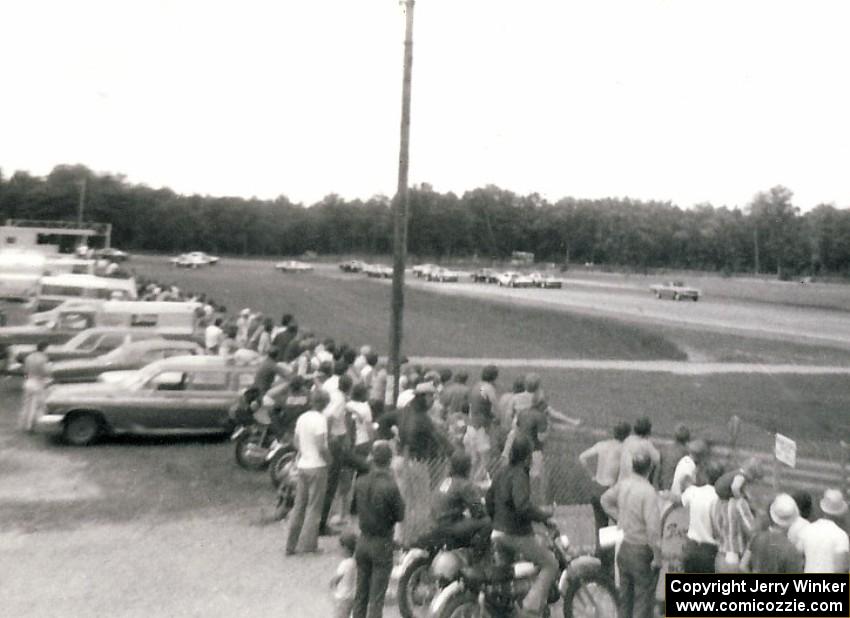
{"x": 701, "y": 547}
{"x": 213, "y": 336}
{"x": 311, "y": 441}
{"x": 825, "y": 545}
{"x": 686, "y": 470}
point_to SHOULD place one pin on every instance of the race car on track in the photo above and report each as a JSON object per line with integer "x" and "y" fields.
{"x": 293, "y": 266}
{"x": 676, "y": 290}
{"x": 513, "y": 279}
{"x": 541, "y": 280}
{"x": 443, "y": 274}
{"x": 194, "y": 259}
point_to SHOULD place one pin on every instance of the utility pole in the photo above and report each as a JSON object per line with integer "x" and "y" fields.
{"x": 400, "y": 206}
{"x": 756, "y": 249}
{"x": 82, "y": 203}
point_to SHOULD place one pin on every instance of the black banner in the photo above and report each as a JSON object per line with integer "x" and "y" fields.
{"x": 741, "y": 595}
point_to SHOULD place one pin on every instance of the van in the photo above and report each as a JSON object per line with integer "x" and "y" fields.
{"x": 19, "y": 274}
{"x": 168, "y": 319}
{"x": 53, "y": 290}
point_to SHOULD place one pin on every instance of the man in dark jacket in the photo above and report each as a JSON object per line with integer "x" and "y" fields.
{"x": 380, "y": 507}
{"x": 510, "y": 506}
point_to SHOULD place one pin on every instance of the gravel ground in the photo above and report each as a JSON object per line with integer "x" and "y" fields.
{"x": 227, "y": 566}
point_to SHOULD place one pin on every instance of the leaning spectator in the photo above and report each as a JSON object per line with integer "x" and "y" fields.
{"x": 671, "y": 454}
{"x": 770, "y": 550}
{"x": 639, "y": 442}
{"x": 825, "y": 544}
{"x": 607, "y": 454}
{"x": 700, "y": 551}
{"x": 633, "y": 503}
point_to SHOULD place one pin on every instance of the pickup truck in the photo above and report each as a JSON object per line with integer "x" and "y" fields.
{"x": 676, "y": 290}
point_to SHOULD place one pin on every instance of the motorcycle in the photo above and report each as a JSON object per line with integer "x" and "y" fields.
{"x": 498, "y": 588}
{"x": 429, "y": 566}
{"x": 253, "y": 440}
{"x": 283, "y": 472}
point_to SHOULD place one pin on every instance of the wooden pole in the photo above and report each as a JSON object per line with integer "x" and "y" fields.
{"x": 400, "y": 206}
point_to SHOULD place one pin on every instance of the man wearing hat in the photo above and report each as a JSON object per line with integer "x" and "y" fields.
{"x": 380, "y": 507}
{"x": 825, "y": 544}
{"x": 770, "y": 550}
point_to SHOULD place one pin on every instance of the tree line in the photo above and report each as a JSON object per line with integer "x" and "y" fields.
{"x": 769, "y": 235}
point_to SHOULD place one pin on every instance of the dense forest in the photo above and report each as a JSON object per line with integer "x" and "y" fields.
{"x": 769, "y": 235}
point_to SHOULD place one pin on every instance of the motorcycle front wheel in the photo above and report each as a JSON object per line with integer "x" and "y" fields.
{"x": 278, "y": 466}
{"x": 249, "y": 453}
{"x": 590, "y": 597}
{"x": 464, "y": 605}
{"x": 416, "y": 588}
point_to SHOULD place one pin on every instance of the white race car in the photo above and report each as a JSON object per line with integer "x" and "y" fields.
{"x": 293, "y": 266}
{"x": 195, "y": 259}
{"x": 513, "y": 279}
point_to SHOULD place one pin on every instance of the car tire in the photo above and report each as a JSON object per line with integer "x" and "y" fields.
{"x": 81, "y": 428}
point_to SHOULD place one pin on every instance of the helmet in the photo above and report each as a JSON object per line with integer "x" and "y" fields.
{"x": 446, "y": 566}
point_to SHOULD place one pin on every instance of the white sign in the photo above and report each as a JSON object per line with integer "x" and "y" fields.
{"x": 786, "y": 450}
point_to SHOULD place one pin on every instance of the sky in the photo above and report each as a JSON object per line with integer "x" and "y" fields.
{"x": 689, "y": 100}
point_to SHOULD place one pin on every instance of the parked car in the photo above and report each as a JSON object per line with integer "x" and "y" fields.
{"x": 127, "y": 357}
{"x": 352, "y": 266}
{"x": 112, "y": 254}
{"x": 677, "y": 290}
{"x": 514, "y": 279}
{"x": 293, "y": 266}
{"x": 89, "y": 343}
{"x": 194, "y": 259}
{"x": 443, "y": 274}
{"x": 184, "y": 394}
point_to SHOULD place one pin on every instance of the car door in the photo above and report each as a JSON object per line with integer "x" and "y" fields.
{"x": 150, "y": 405}
{"x": 206, "y": 399}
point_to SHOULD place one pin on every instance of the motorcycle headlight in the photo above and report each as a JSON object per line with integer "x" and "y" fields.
{"x": 446, "y": 566}
{"x": 564, "y": 540}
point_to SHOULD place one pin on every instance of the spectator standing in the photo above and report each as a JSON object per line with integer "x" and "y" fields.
{"x": 638, "y": 442}
{"x": 700, "y": 550}
{"x": 483, "y": 402}
{"x": 418, "y": 437}
{"x": 213, "y": 336}
{"x": 506, "y": 404}
{"x": 607, "y": 454}
{"x": 734, "y": 522}
{"x": 770, "y": 550}
{"x": 380, "y": 508}
{"x": 633, "y": 503}
{"x": 242, "y": 323}
{"x": 455, "y": 396}
{"x": 803, "y": 499}
{"x": 311, "y": 442}
{"x": 228, "y": 344}
{"x": 378, "y": 386}
{"x": 339, "y": 442}
{"x": 532, "y": 420}
{"x": 825, "y": 544}
{"x": 37, "y": 374}
{"x": 268, "y": 369}
{"x": 264, "y": 340}
{"x": 344, "y": 581}
{"x": 671, "y": 454}
{"x": 685, "y": 473}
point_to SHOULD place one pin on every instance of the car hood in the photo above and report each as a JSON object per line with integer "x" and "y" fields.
{"x": 81, "y": 364}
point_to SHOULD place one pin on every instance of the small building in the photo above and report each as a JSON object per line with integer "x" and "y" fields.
{"x": 522, "y": 258}
{"x": 51, "y": 237}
